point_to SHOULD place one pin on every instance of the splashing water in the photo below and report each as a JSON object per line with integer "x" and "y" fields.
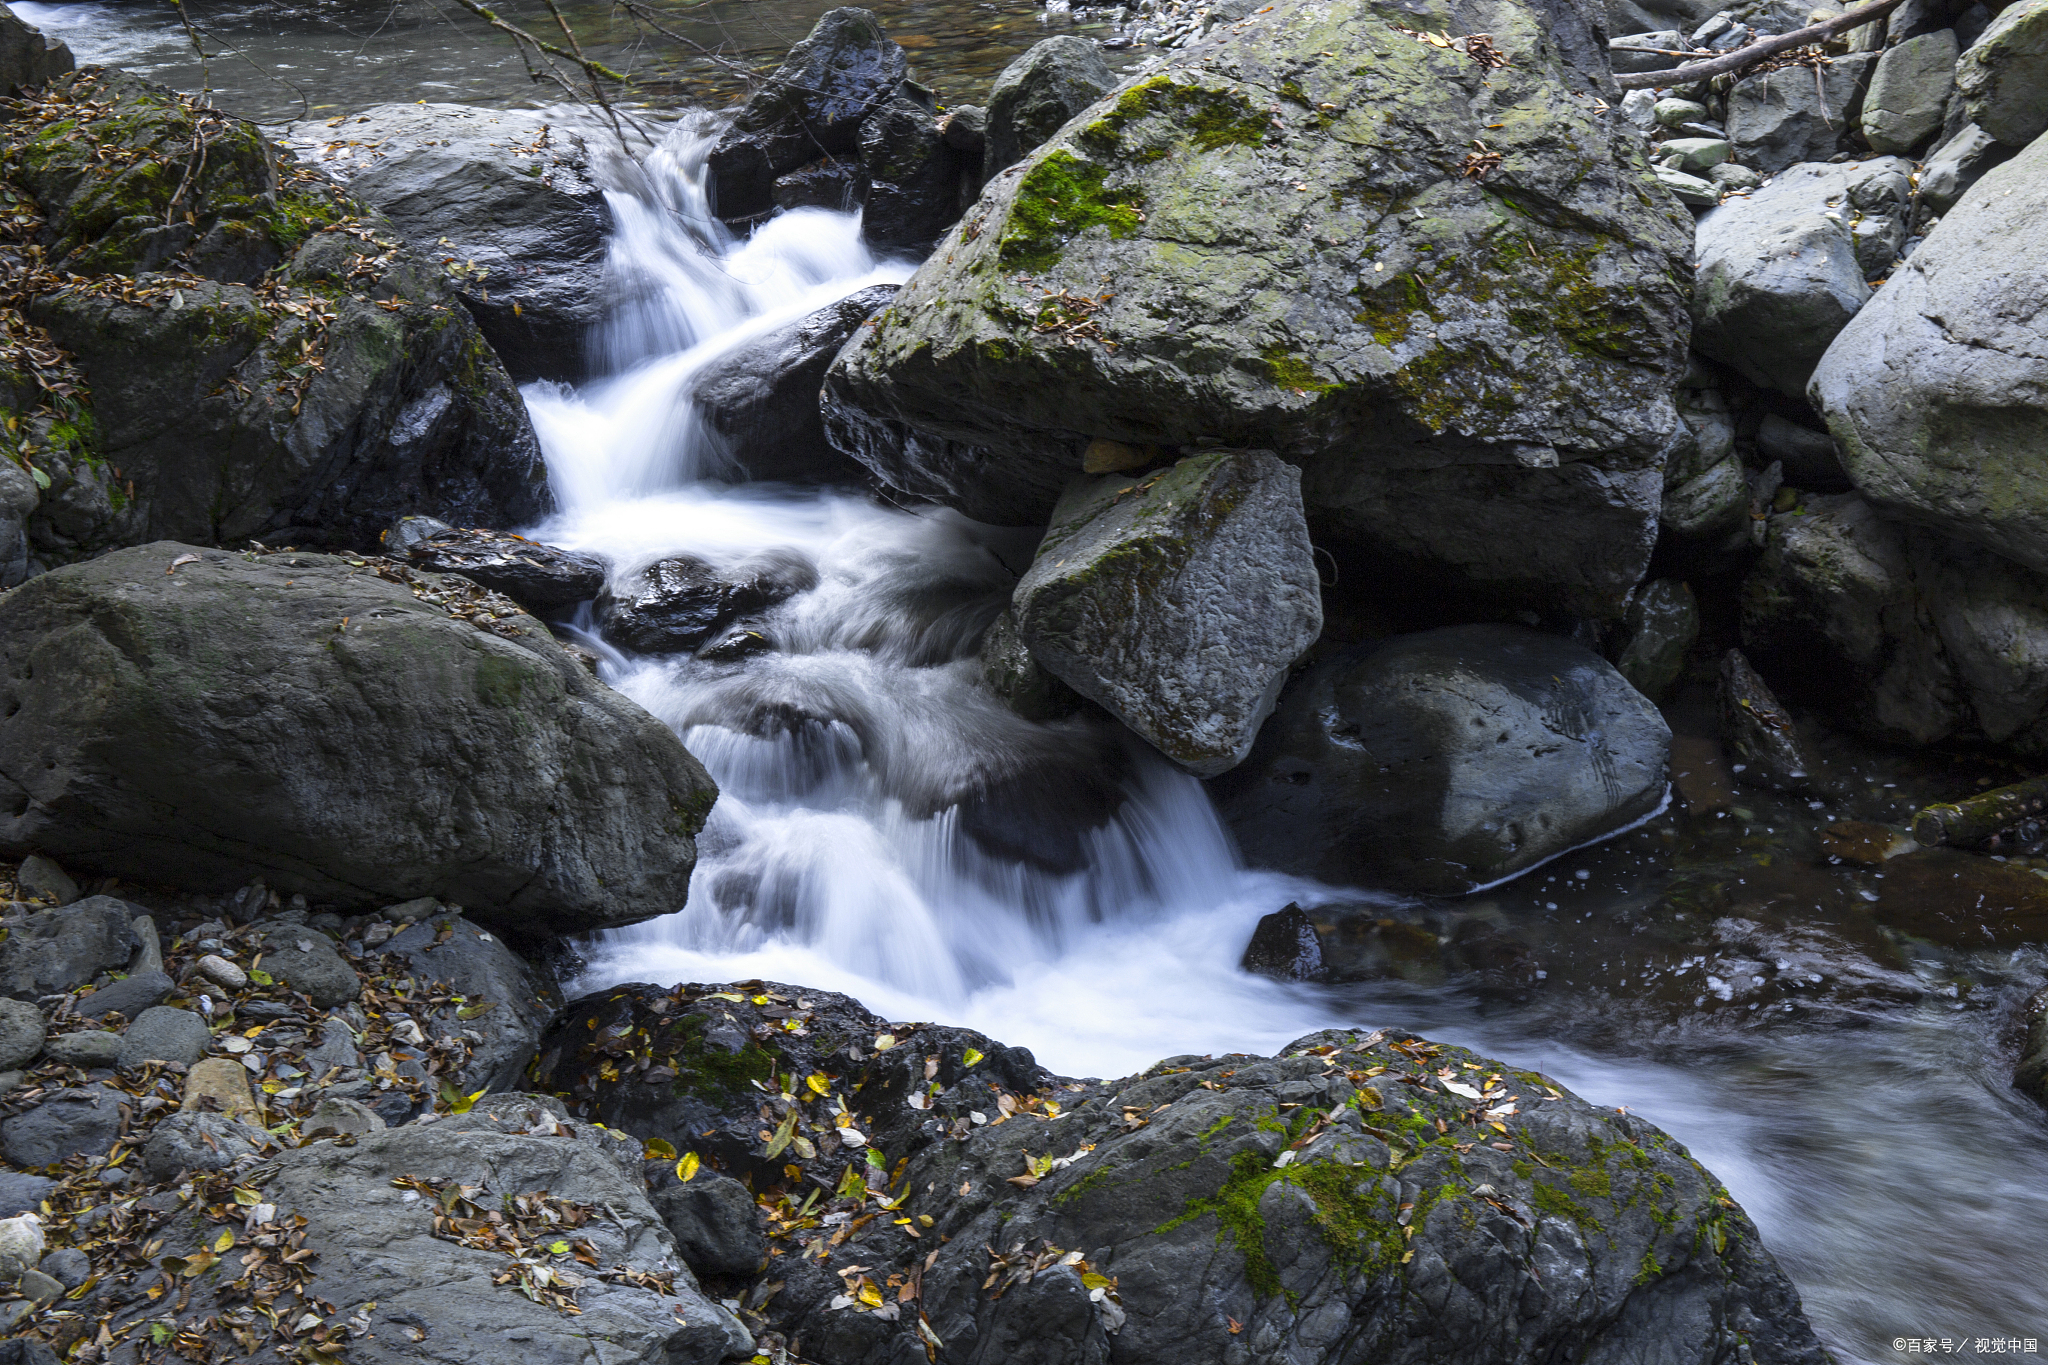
{"x": 887, "y": 828}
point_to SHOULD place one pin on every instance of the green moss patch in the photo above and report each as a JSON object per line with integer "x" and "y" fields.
{"x": 1059, "y": 198}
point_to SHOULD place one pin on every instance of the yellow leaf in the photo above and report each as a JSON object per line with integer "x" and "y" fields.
{"x": 817, "y": 1082}
{"x": 659, "y": 1149}
{"x": 248, "y": 1198}
{"x": 782, "y": 1136}
{"x": 466, "y": 1103}
{"x": 869, "y": 1295}
{"x": 971, "y": 1057}
{"x": 225, "y": 1240}
{"x": 686, "y": 1169}
{"x": 1094, "y": 1281}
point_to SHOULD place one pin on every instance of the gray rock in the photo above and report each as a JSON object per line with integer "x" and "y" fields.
{"x": 681, "y": 602}
{"x": 19, "y": 499}
{"x": 319, "y": 753}
{"x": 2003, "y": 78}
{"x": 1010, "y": 671}
{"x": 1711, "y": 506}
{"x": 1284, "y": 945}
{"x": 761, "y": 399}
{"x": 23, "y": 1193}
{"x": 1907, "y": 635}
{"x": 1957, "y": 164}
{"x": 1447, "y": 760}
{"x": 86, "y": 1050}
{"x": 27, "y": 57}
{"x": 506, "y": 192}
{"x": 68, "y": 1266}
{"x": 21, "y": 1036}
{"x": 1688, "y": 189}
{"x": 41, "y": 879}
{"x": 163, "y": 1033}
{"x": 1178, "y": 601}
{"x": 305, "y": 960}
{"x": 515, "y": 1001}
{"x": 337, "y": 1117}
{"x": 1693, "y": 154}
{"x": 1236, "y": 315}
{"x": 39, "y": 1289}
{"x": 408, "y": 409}
{"x": 1808, "y": 457}
{"x": 54, "y": 951}
{"x": 129, "y": 996}
{"x": 1760, "y": 733}
{"x": 815, "y": 102}
{"x": 1937, "y": 392}
{"x": 718, "y": 1229}
{"x": 1778, "y": 277}
{"x": 21, "y": 1246}
{"x": 1673, "y": 112}
{"x": 1648, "y": 51}
{"x": 1038, "y": 93}
{"x": 1909, "y": 92}
{"x": 1663, "y": 621}
{"x": 539, "y": 577}
{"x": 1728, "y": 176}
{"x": 149, "y": 950}
{"x": 66, "y": 1123}
{"x": 27, "y": 1351}
{"x": 336, "y": 1050}
{"x": 917, "y": 183}
{"x": 1781, "y": 118}
{"x": 196, "y": 1141}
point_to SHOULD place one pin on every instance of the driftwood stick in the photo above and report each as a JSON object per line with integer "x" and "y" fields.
{"x": 1744, "y": 57}
{"x": 1976, "y": 820}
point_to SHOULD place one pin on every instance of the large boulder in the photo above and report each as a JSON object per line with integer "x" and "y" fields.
{"x": 1357, "y": 1196}
{"x": 1909, "y": 93}
{"x": 1035, "y": 95}
{"x": 506, "y": 197}
{"x": 1937, "y": 391}
{"x": 573, "y": 1265}
{"x": 2003, "y": 78}
{"x": 27, "y": 57}
{"x": 1778, "y": 269}
{"x": 1242, "y": 249}
{"x": 917, "y": 183}
{"x": 1906, "y": 634}
{"x": 358, "y": 733}
{"x": 761, "y": 399}
{"x": 811, "y": 106}
{"x": 1795, "y": 113}
{"x": 263, "y": 359}
{"x": 1447, "y": 760}
{"x": 1178, "y": 601}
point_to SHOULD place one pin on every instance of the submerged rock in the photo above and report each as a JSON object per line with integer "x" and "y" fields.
{"x": 1284, "y": 945}
{"x": 1240, "y": 249}
{"x": 1353, "y": 1187}
{"x": 361, "y": 733}
{"x": 507, "y": 196}
{"x": 1447, "y": 760}
{"x": 1177, "y": 601}
{"x": 1937, "y": 392}
{"x": 1035, "y": 95}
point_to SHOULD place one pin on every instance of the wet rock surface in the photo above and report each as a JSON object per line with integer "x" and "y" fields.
{"x": 184, "y": 646}
{"x": 1038, "y": 93}
{"x": 681, "y": 602}
{"x": 539, "y": 577}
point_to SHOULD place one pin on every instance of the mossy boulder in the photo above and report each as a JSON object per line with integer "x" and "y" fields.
{"x": 347, "y": 729}
{"x": 1178, "y": 600}
{"x": 1286, "y": 238}
{"x": 260, "y": 359}
{"x": 1357, "y": 1196}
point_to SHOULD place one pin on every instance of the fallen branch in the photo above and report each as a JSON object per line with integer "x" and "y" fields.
{"x": 1744, "y": 57}
{"x": 1979, "y": 821}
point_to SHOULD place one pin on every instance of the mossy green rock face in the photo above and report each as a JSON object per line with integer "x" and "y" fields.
{"x": 1178, "y": 601}
{"x": 1357, "y": 1197}
{"x": 263, "y": 360}
{"x": 1277, "y": 240}
{"x": 198, "y": 717}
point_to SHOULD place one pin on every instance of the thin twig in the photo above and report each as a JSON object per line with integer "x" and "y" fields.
{"x": 596, "y": 87}
{"x": 1744, "y": 57}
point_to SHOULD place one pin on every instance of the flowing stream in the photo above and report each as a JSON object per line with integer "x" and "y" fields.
{"x": 885, "y": 828}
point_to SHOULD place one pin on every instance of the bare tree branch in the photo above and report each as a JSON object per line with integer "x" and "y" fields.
{"x": 1743, "y": 58}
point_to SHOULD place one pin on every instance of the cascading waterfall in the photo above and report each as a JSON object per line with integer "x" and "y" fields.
{"x": 888, "y": 829}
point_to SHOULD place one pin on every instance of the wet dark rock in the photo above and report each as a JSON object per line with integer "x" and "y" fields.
{"x": 302, "y": 714}
{"x": 1038, "y": 93}
{"x": 129, "y": 996}
{"x": 27, "y": 56}
{"x": 509, "y": 1001}
{"x": 966, "y": 129}
{"x": 21, "y": 1036}
{"x": 1446, "y": 760}
{"x": 539, "y": 577}
{"x": 65, "y": 1124}
{"x": 1284, "y": 945}
{"x": 982, "y": 482}
{"x": 54, "y": 951}
{"x": 1010, "y": 671}
{"x": 762, "y": 399}
{"x": 677, "y": 604}
{"x": 203, "y": 396}
{"x": 917, "y": 182}
{"x": 1962, "y": 900}
{"x": 734, "y": 644}
{"x": 1808, "y": 457}
{"x": 813, "y": 105}
{"x": 826, "y": 184}
{"x": 164, "y": 1033}
{"x": 197, "y": 1141}
{"x": 27, "y": 1351}
{"x": 718, "y": 1229}
{"x": 22, "y": 1193}
{"x": 1759, "y": 731}
{"x": 1663, "y": 621}
{"x": 509, "y": 194}
{"x": 1178, "y": 601}
{"x": 1195, "y": 1197}
{"x": 2031, "y": 1075}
